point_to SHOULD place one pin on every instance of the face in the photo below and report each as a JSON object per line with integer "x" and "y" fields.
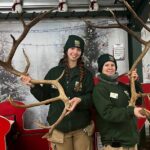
{"x": 109, "y": 68}
{"x": 73, "y": 54}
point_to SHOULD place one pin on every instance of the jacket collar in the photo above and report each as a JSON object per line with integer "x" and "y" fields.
{"x": 109, "y": 79}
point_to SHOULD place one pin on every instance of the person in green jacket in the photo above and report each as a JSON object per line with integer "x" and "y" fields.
{"x": 115, "y": 120}
{"x": 74, "y": 131}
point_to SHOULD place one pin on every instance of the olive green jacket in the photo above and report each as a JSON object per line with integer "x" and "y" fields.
{"x": 115, "y": 119}
{"x": 80, "y": 117}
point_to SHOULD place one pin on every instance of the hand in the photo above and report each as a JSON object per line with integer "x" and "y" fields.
{"x": 26, "y": 80}
{"x": 73, "y": 103}
{"x": 134, "y": 74}
{"x": 137, "y": 112}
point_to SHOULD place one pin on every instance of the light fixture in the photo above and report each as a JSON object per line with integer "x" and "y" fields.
{"x": 17, "y": 6}
{"x": 93, "y": 6}
{"x": 62, "y": 6}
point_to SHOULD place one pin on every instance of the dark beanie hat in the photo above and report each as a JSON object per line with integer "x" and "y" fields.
{"x": 103, "y": 59}
{"x": 74, "y": 41}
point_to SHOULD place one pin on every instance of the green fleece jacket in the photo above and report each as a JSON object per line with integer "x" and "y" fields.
{"x": 81, "y": 116}
{"x": 115, "y": 119}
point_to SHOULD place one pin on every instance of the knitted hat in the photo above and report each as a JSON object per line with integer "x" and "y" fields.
{"x": 74, "y": 41}
{"x": 103, "y": 59}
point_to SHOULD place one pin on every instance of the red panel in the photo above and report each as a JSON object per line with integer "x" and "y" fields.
{"x": 7, "y": 110}
{"x": 146, "y": 89}
{"x": 4, "y": 129}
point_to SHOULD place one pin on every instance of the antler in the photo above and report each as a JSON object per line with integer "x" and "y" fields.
{"x": 62, "y": 96}
{"x": 8, "y": 66}
{"x": 134, "y": 94}
{"x": 26, "y": 28}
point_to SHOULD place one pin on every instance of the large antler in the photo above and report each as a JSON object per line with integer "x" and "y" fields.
{"x": 26, "y": 28}
{"x": 134, "y": 94}
{"x": 62, "y": 96}
{"x": 8, "y": 66}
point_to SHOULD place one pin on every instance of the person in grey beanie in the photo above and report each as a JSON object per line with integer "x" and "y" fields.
{"x": 75, "y": 131}
{"x": 115, "y": 120}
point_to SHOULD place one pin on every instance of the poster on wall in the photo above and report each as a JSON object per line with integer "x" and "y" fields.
{"x": 119, "y": 51}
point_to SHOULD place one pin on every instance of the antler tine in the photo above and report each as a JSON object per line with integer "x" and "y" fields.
{"x": 28, "y": 62}
{"x": 127, "y": 29}
{"x": 58, "y": 120}
{"x": 33, "y": 104}
{"x": 146, "y": 48}
{"x": 144, "y": 94}
{"x": 51, "y": 128}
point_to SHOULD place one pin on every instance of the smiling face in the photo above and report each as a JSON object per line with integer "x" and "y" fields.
{"x": 109, "y": 68}
{"x": 73, "y": 54}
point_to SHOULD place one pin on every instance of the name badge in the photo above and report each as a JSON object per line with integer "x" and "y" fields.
{"x": 114, "y": 95}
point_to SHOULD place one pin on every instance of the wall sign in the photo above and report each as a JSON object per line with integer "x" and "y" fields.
{"x": 119, "y": 51}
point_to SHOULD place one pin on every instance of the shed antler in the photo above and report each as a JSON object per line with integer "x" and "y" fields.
{"x": 134, "y": 94}
{"x": 26, "y": 28}
{"x": 8, "y": 66}
{"x": 62, "y": 96}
